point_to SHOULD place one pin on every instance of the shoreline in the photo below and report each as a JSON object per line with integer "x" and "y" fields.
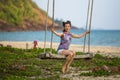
{"x": 104, "y": 50}
{"x": 53, "y": 43}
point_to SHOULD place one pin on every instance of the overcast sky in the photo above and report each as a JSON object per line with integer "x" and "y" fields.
{"x": 106, "y": 13}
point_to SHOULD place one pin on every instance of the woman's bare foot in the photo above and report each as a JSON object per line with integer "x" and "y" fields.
{"x": 63, "y": 69}
{"x": 67, "y": 69}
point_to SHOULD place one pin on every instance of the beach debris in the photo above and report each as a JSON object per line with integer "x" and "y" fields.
{"x": 96, "y": 69}
{"x": 9, "y": 46}
{"x": 105, "y": 68}
{"x": 26, "y": 45}
{"x": 1, "y": 45}
{"x": 19, "y": 67}
{"x": 98, "y": 51}
{"x": 115, "y": 69}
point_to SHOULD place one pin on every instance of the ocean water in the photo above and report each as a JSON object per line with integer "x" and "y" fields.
{"x": 98, "y": 37}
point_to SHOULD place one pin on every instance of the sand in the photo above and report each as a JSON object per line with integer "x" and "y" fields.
{"x": 104, "y": 50}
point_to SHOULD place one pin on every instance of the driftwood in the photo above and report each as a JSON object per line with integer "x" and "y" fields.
{"x": 56, "y": 56}
{"x": 9, "y": 46}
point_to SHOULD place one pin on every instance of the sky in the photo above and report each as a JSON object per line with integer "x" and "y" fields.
{"x": 106, "y": 13}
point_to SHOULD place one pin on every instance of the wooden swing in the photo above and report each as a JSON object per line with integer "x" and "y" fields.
{"x": 49, "y": 55}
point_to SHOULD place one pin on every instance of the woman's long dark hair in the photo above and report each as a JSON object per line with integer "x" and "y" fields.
{"x": 67, "y": 22}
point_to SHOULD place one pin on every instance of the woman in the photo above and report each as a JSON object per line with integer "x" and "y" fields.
{"x": 63, "y": 48}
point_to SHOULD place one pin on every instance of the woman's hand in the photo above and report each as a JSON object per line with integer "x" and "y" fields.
{"x": 52, "y": 29}
{"x": 56, "y": 33}
{"x": 87, "y": 32}
{"x": 80, "y": 35}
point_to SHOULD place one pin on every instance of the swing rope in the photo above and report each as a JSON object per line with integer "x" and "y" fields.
{"x": 52, "y": 26}
{"x": 46, "y": 26}
{"x": 88, "y": 10}
{"x": 90, "y": 25}
{"x": 89, "y": 18}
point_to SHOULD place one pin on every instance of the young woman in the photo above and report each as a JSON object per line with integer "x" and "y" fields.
{"x": 63, "y": 48}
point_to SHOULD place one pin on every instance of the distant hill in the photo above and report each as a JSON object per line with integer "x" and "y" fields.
{"x": 22, "y": 15}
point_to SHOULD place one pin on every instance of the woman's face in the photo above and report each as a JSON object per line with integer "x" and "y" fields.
{"x": 67, "y": 27}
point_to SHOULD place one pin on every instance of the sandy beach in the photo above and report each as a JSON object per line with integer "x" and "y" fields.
{"x": 104, "y": 50}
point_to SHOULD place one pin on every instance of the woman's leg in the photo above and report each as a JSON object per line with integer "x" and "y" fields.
{"x": 64, "y": 67}
{"x": 68, "y": 61}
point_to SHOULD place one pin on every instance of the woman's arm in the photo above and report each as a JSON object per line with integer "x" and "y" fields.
{"x": 80, "y": 35}
{"x": 56, "y": 33}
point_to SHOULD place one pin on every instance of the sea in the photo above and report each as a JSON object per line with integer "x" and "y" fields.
{"x": 97, "y": 37}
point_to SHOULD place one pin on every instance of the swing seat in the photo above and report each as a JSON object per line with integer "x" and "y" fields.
{"x": 90, "y": 53}
{"x": 44, "y": 55}
{"x": 56, "y": 56}
{"x": 51, "y": 56}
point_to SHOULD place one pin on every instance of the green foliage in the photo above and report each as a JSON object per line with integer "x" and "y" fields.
{"x": 11, "y": 77}
{"x": 11, "y": 59}
{"x": 96, "y": 73}
{"x": 22, "y": 64}
{"x": 99, "y": 60}
{"x": 14, "y": 11}
{"x": 79, "y": 53}
{"x": 98, "y": 56}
